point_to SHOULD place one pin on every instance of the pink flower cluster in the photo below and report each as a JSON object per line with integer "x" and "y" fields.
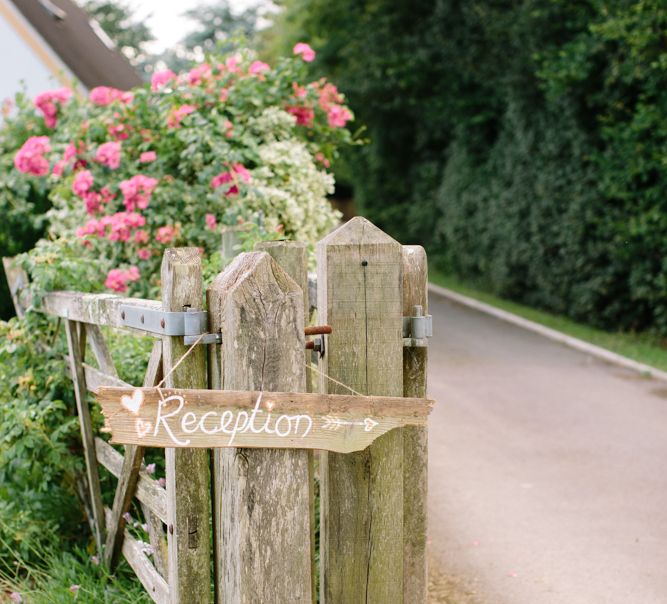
{"x": 258, "y": 68}
{"x": 161, "y": 78}
{"x": 338, "y": 116}
{"x": 176, "y": 115}
{"x": 137, "y": 191}
{"x": 304, "y": 51}
{"x": 105, "y": 95}
{"x": 48, "y": 103}
{"x": 211, "y": 222}
{"x": 304, "y": 115}
{"x": 198, "y": 74}
{"x": 117, "y": 279}
{"x": 83, "y": 182}
{"x": 166, "y": 234}
{"x": 238, "y": 171}
{"x": 117, "y": 227}
{"x": 108, "y": 154}
{"x": 147, "y": 157}
{"x": 30, "y": 159}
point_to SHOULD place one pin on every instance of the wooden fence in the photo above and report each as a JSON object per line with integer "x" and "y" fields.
{"x": 252, "y": 510}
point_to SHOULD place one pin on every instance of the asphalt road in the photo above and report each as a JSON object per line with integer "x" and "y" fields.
{"x": 548, "y": 469}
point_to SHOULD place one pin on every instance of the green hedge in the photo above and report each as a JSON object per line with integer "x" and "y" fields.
{"x": 524, "y": 143}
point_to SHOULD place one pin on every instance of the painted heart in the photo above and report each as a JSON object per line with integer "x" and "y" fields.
{"x": 369, "y": 424}
{"x": 142, "y": 427}
{"x": 133, "y": 403}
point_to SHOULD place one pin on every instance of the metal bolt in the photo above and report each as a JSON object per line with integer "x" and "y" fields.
{"x": 417, "y": 310}
{"x": 162, "y": 323}
{"x": 171, "y": 529}
{"x": 142, "y": 319}
{"x": 122, "y": 315}
{"x": 364, "y": 263}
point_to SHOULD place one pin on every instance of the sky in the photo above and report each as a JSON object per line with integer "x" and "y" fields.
{"x": 165, "y": 18}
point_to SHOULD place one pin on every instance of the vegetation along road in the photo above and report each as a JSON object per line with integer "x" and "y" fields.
{"x": 547, "y": 481}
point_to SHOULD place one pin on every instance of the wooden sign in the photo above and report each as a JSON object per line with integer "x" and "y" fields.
{"x": 223, "y": 418}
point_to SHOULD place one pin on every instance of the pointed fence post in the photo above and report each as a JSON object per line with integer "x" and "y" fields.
{"x": 187, "y": 470}
{"x": 415, "y": 439}
{"x": 261, "y": 498}
{"x": 360, "y": 295}
{"x": 291, "y": 256}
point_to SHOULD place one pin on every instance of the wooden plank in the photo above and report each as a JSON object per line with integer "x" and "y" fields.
{"x": 187, "y": 470}
{"x": 156, "y": 533}
{"x": 211, "y": 419}
{"x": 100, "y": 349}
{"x": 262, "y": 513}
{"x": 17, "y": 280}
{"x": 291, "y": 256}
{"x": 101, "y": 309}
{"x": 153, "y": 583}
{"x": 135, "y": 554}
{"x": 129, "y": 474}
{"x": 359, "y": 295}
{"x": 415, "y": 438}
{"x": 149, "y": 492}
{"x": 87, "y": 438}
{"x": 127, "y": 481}
{"x": 95, "y": 379}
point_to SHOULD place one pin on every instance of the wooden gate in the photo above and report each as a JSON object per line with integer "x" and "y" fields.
{"x": 253, "y": 510}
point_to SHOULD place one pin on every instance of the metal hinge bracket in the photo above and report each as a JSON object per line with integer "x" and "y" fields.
{"x": 417, "y": 328}
{"x": 191, "y": 324}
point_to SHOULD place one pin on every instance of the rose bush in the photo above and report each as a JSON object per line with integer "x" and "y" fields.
{"x": 127, "y": 174}
{"x": 231, "y": 141}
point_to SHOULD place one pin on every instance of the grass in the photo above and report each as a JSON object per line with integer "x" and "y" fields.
{"x": 641, "y": 347}
{"x": 65, "y": 577}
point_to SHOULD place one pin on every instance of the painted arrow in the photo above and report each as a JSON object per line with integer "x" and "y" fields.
{"x": 334, "y": 423}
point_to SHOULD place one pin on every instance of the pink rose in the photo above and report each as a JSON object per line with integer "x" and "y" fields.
{"x": 238, "y": 172}
{"x": 105, "y": 95}
{"x": 304, "y": 51}
{"x": 48, "y": 103}
{"x": 211, "y": 222}
{"x": 338, "y": 116}
{"x": 160, "y": 78}
{"x": 147, "y": 156}
{"x": 108, "y": 154}
{"x": 304, "y": 115}
{"x": 30, "y": 159}
{"x": 82, "y": 183}
{"x": 258, "y": 67}
{"x": 137, "y": 191}
{"x": 144, "y": 253}
{"x": 198, "y": 74}
{"x": 176, "y": 115}
{"x": 165, "y": 234}
{"x": 329, "y": 96}
{"x": 141, "y": 237}
{"x": 92, "y": 201}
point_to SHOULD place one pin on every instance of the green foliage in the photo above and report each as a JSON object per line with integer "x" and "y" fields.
{"x": 38, "y": 438}
{"x": 524, "y": 143}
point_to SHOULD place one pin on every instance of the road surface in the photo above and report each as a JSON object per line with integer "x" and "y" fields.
{"x": 547, "y": 469}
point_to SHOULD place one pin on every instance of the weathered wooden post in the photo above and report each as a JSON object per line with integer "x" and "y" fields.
{"x": 261, "y": 496}
{"x": 187, "y": 470}
{"x": 291, "y": 256}
{"x": 415, "y": 438}
{"x": 360, "y": 295}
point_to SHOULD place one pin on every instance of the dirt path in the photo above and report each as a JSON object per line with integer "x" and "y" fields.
{"x": 548, "y": 477}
